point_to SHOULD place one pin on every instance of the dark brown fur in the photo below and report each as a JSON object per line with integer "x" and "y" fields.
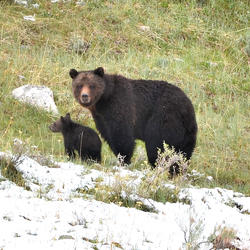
{"x": 78, "y": 138}
{"x": 126, "y": 109}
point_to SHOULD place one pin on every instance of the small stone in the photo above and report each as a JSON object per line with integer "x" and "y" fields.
{"x": 25, "y": 3}
{"x": 210, "y": 178}
{"x": 17, "y": 142}
{"x": 29, "y": 18}
{"x": 7, "y": 218}
{"x": 35, "y": 5}
{"x": 79, "y": 46}
{"x": 17, "y": 235}
{"x": 21, "y": 77}
{"x": 80, "y": 3}
{"x": 144, "y": 28}
{"x": 178, "y": 59}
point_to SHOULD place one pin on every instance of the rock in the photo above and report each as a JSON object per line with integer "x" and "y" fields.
{"x": 39, "y": 96}
{"x": 35, "y": 5}
{"x": 144, "y": 28}
{"x": 29, "y": 18}
{"x": 21, "y": 77}
{"x": 78, "y": 45}
{"x": 80, "y": 3}
{"x": 25, "y": 3}
{"x": 178, "y": 59}
{"x": 210, "y": 178}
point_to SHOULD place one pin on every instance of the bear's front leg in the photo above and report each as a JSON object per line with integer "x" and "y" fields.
{"x": 70, "y": 152}
{"x": 123, "y": 143}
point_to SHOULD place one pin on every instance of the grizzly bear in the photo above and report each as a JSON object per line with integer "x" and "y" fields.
{"x": 77, "y": 137}
{"x": 125, "y": 109}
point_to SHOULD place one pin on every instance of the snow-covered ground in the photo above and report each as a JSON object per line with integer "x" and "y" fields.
{"x": 54, "y": 215}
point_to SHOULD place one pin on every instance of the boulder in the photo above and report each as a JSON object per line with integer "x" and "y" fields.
{"x": 39, "y": 96}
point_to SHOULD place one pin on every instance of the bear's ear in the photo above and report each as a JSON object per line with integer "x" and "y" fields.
{"x": 73, "y": 73}
{"x": 62, "y": 119}
{"x": 99, "y": 71}
{"x": 67, "y": 116}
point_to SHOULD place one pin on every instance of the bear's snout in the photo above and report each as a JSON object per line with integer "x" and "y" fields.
{"x": 52, "y": 127}
{"x": 56, "y": 126}
{"x": 85, "y": 95}
{"x": 85, "y": 98}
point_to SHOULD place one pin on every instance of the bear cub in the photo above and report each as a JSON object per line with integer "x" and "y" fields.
{"x": 78, "y": 138}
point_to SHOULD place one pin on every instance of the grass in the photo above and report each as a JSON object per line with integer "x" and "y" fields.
{"x": 9, "y": 171}
{"x": 201, "y": 46}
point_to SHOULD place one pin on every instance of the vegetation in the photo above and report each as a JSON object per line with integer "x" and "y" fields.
{"x": 201, "y": 46}
{"x": 9, "y": 171}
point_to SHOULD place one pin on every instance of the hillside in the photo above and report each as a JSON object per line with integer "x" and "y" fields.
{"x": 202, "y": 46}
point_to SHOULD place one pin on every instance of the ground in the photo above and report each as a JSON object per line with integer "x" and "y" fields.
{"x": 205, "y": 55}
{"x": 56, "y": 214}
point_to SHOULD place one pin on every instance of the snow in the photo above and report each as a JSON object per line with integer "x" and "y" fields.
{"x": 53, "y": 215}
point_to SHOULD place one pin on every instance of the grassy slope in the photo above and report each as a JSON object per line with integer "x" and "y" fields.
{"x": 209, "y": 39}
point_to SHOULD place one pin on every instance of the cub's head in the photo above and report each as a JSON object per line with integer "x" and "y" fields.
{"x": 60, "y": 124}
{"x": 88, "y": 86}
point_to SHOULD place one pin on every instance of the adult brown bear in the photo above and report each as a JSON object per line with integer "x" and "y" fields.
{"x": 126, "y": 109}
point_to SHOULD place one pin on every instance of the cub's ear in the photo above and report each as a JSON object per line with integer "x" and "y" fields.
{"x": 62, "y": 119}
{"x": 73, "y": 73}
{"x": 67, "y": 116}
{"x": 99, "y": 71}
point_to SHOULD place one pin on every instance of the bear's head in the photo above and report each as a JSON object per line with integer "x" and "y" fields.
{"x": 60, "y": 124}
{"x": 88, "y": 86}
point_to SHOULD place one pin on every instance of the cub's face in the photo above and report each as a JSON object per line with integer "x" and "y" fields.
{"x": 88, "y": 86}
{"x": 56, "y": 126}
{"x": 60, "y": 124}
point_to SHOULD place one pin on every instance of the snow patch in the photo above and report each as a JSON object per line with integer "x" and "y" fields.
{"x": 61, "y": 219}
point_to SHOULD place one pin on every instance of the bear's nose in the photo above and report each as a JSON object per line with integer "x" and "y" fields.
{"x": 85, "y": 97}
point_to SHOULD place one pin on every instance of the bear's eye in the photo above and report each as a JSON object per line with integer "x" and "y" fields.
{"x": 92, "y": 86}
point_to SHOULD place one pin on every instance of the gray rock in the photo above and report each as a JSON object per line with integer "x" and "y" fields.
{"x": 78, "y": 45}
{"x": 21, "y": 2}
{"x": 29, "y": 18}
{"x": 39, "y": 96}
{"x": 144, "y": 28}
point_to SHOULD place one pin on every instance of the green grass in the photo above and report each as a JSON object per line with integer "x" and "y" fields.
{"x": 9, "y": 171}
{"x": 201, "y": 46}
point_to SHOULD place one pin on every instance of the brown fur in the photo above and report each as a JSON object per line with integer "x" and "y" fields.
{"x": 78, "y": 138}
{"x": 126, "y": 109}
